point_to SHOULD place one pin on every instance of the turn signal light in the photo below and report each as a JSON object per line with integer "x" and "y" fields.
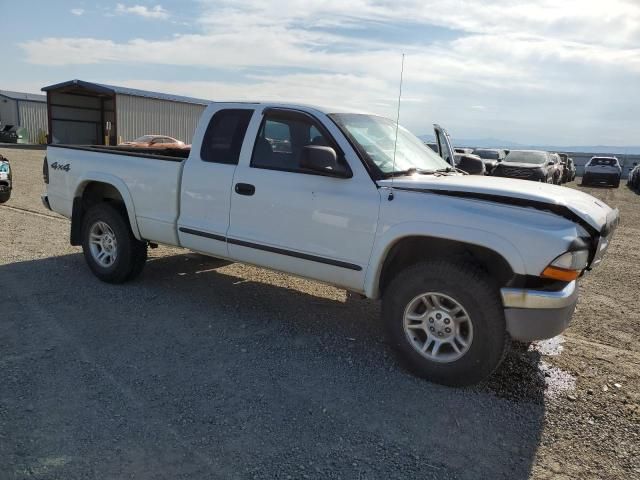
{"x": 560, "y": 274}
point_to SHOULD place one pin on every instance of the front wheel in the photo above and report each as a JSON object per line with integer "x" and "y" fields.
{"x": 447, "y": 322}
{"x": 113, "y": 254}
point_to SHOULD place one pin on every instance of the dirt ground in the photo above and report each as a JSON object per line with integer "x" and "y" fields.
{"x": 201, "y": 369}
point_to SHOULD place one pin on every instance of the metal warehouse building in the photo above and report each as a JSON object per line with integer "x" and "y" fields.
{"x": 26, "y": 110}
{"x": 85, "y": 113}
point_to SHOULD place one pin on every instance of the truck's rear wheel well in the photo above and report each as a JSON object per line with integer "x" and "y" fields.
{"x": 92, "y": 194}
{"x": 411, "y": 250}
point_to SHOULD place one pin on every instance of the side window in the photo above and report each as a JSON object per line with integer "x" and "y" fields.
{"x": 223, "y": 139}
{"x": 281, "y": 140}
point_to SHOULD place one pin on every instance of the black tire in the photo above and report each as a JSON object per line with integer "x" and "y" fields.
{"x": 131, "y": 253}
{"x": 477, "y": 293}
{"x": 617, "y": 184}
{"x": 4, "y": 197}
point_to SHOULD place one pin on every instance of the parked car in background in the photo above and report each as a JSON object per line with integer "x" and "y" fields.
{"x": 13, "y": 134}
{"x": 491, "y": 157}
{"x": 602, "y": 170}
{"x": 569, "y": 173}
{"x": 533, "y": 165}
{"x": 155, "y": 141}
{"x": 5, "y": 179}
{"x": 558, "y": 169}
{"x": 633, "y": 180}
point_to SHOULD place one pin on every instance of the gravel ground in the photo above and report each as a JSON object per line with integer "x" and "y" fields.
{"x": 201, "y": 369}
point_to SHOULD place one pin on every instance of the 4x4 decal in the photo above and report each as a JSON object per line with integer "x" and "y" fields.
{"x": 59, "y": 166}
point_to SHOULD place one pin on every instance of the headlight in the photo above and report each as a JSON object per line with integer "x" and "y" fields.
{"x": 568, "y": 266}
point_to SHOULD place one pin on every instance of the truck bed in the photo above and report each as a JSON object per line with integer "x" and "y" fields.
{"x": 148, "y": 181}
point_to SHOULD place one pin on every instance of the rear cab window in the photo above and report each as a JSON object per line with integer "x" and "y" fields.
{"x": 225, "y": 133}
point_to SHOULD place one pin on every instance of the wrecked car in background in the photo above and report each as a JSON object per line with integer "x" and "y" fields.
{"x": 605, "y": 170}
{"x": 155, "y": 141}
{"x": 533, "y": 165}
{"x": 5, "y": 179}
{"x": 491, "y": 157}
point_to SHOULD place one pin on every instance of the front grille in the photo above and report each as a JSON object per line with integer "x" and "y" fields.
{"x": 515, "y": 172}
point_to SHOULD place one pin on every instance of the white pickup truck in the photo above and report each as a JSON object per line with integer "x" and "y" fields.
{"x": 462, "y": 263}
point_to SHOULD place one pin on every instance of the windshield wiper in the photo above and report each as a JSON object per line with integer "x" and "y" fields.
{"x": 409, "y": 171}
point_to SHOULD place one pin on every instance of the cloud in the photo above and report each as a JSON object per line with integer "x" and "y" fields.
{"x": 77, "y": 11}
{"x": 526, "y": 59}
{"x": 156, "y": 12}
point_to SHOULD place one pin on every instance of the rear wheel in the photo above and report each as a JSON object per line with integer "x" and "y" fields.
{"x": 447, "y": 322}
{"x": 113, "y": 254}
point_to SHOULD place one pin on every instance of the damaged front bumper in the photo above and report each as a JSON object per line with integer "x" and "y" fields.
{"x": 538, "y": 314}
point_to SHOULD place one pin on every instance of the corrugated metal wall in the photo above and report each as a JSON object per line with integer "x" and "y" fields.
{"x": 138, "y": 116}
{"x": 33, "y": 117}
{"x": 25, "y": 113}
{"x": 8, "y": 111}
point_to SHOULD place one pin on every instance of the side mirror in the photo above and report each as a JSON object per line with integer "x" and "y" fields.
{"x": 550, "y": 163}
{"x": 471, "y": 165}
{"x": 323, "y": 160}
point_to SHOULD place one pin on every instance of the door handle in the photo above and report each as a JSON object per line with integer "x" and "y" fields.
{"x": 245, "y": 189}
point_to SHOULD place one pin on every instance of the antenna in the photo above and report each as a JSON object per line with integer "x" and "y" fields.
{"x": 395, "y": 143}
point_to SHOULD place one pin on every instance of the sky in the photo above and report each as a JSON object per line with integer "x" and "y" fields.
{"x": 543, "y": 72}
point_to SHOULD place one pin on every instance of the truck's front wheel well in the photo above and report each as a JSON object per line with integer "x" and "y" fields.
{"x": 411, "y": 250}
{"x": 92, "y": 194}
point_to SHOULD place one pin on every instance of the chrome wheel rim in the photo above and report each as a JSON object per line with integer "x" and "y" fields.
{"x": 103, "y": 244}
{"x": 438, "y": 327}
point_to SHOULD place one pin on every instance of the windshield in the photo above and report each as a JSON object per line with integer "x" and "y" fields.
{"x": 487, "y": 154}
{"x": 608, "y": 162}
{"x": 144, "y": 139}
{"x": 375, "y": 137}
{"x": 537, "y": 158}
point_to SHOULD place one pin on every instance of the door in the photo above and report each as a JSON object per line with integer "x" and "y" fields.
{"x": 207, "y": 181}
{"x": 444, "y": 145}
{"x": 291, "y": 219}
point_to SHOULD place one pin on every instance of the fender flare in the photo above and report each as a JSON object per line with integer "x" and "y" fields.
{"x": 122, "y": 189}
{"x": 473, "y": 236}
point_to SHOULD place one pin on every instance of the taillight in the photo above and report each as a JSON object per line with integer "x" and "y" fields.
{"x": 45, "y": 171}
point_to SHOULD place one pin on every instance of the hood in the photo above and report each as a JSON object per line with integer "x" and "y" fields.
{"x": 590, "y": 210}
